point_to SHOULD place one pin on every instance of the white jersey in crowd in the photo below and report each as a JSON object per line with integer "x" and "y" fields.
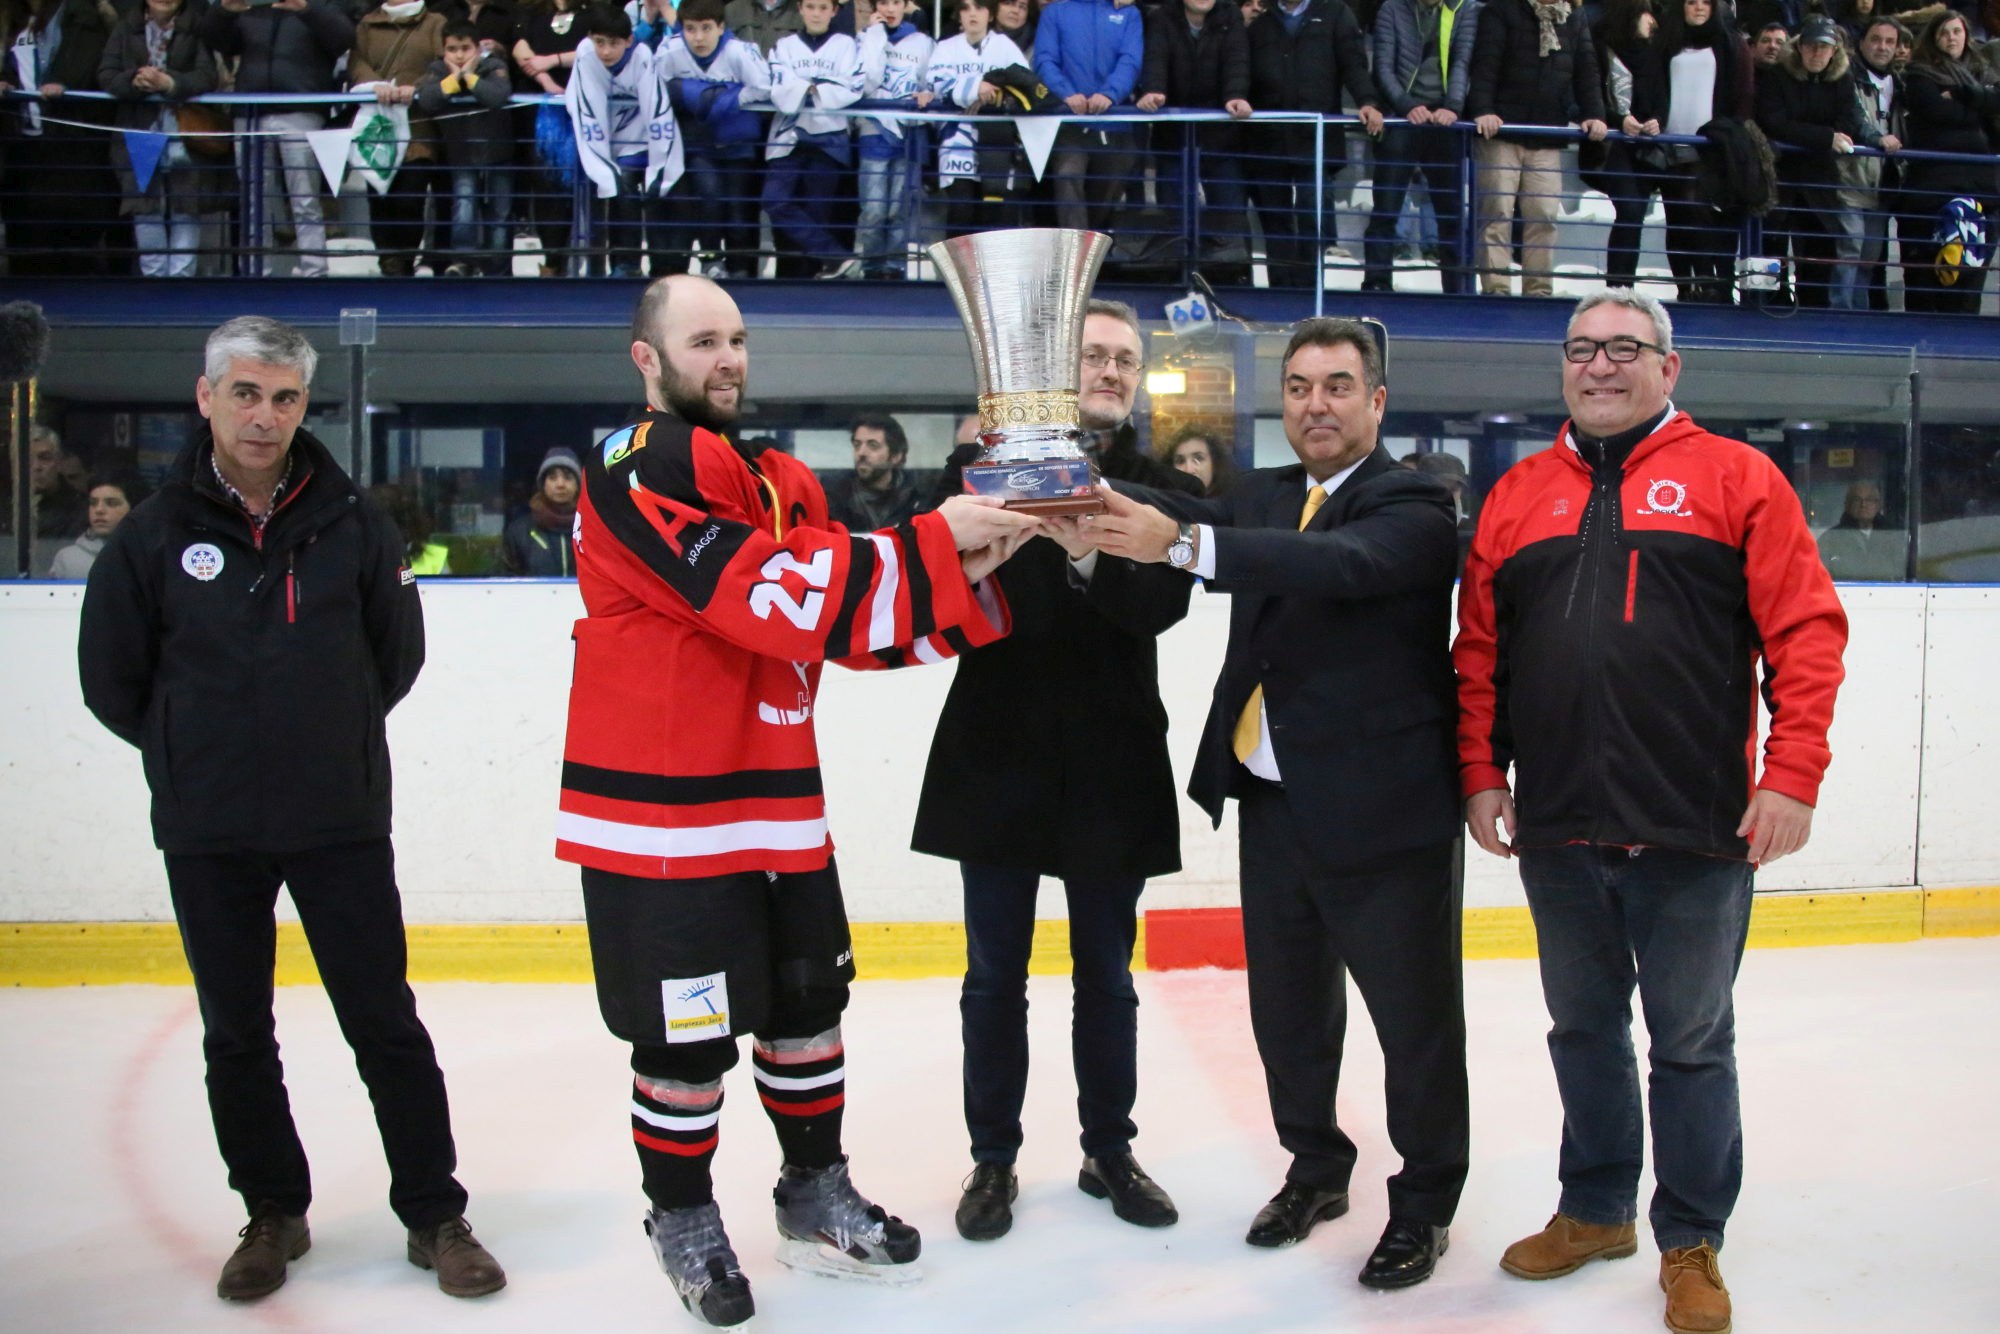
{"x": 956, "y": 68}
{"x": 804, "y": 78}
{"x": 892, "y": 70}
{"x": 621, "y": 114}
{"x": 734, "y": 61}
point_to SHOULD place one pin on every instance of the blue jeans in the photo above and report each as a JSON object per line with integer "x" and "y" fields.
{"x": 882, "y": 237}
{"x": 1673, "y": 923}
{"x": 482, "y": 203}
{"x": 993, "y": 1007}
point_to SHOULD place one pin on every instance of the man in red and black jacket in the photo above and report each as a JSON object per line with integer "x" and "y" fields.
{"x": 715, "y": 587}
{"x": 1623, "y": 586}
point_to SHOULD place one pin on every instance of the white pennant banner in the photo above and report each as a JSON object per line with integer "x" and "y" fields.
{"x": 1038, "y": 136}
{"x": 330, "y": 148}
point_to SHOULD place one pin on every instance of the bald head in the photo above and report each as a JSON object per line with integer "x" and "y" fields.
{"x": 690, "y": 347}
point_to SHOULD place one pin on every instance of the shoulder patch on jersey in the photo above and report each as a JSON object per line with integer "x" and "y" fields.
{"x": 624, "y": 442}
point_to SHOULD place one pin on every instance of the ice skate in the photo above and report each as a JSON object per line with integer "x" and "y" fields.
{"x": 826, "y": 1227}
{"x": 694, "y": 1252}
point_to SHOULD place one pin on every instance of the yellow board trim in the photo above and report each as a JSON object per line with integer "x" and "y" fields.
{"x": 67, "y": 954}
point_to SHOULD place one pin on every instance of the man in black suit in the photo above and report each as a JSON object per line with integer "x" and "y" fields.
{"x": 1016, "y": 790}
{"x": 1332, "y": 727}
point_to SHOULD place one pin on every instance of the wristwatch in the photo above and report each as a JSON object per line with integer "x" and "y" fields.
{"x": 1180, "y": 553}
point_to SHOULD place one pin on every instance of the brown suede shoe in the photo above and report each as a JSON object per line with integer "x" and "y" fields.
{"x": 464, "y": 1268}
{"x": 1697, "y": 1303}
{"x": 1567, "y": 1245}
{"x": 271, "y": 1240}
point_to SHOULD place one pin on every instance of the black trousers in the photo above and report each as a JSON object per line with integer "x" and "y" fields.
{"x": 353, "y": 919}
{"x": 1394, "y": 924}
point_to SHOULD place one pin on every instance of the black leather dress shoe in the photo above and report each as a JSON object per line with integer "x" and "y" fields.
{"x": 985, "y": 1210}
{"x": 1406, "y": 1255}
{"x": 1134, "y": 1197}
{"x": 1292, "y": 1213}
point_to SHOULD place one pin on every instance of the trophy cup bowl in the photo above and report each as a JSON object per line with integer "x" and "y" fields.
{"x": 1022, "y": 295}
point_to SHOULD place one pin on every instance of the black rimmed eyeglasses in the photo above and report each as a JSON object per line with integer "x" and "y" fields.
{"x": 1621, "y": 349}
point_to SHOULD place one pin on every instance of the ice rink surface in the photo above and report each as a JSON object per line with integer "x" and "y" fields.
{"x": 1871, "y": 1096}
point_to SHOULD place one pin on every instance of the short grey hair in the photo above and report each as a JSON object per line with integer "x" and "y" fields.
{"x": 1631, "y": 299}
{"x": 38, "y": 433}
{"x": 258, "y": 338}
{"x": 1117, "y": 310}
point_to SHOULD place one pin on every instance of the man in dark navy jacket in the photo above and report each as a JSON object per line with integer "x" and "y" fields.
{"x": 1332, "y": 727}
{"x": 248, "y": 628}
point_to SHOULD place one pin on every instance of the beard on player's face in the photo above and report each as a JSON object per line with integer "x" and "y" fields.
{"x": 690, "y": 399}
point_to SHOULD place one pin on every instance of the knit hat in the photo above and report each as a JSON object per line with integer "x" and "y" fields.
{"x": 1819, "y": 28}
{"x": 558, "y": 458}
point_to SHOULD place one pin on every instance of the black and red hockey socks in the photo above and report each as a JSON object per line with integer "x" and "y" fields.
{"x": 674, "y": 1127}
{"x": 803, "y": 1085}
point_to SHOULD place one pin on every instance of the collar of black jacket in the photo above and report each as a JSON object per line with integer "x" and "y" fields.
{"x": 318, "y": 490}
{"x": 1612, "y": 450}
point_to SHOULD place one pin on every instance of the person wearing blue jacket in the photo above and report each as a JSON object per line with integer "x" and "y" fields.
{"x": 1089, "y": 53}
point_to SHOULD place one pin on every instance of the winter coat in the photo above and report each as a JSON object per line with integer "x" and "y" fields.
{"x": 1804, "y": 111}
{"x": 1862, "y": 175}
{"x": 400, "y": 51}
{"x": 1017, "y": 774}
{"x": 204, "y": 183}
{"x": 1512, "y": 80}
{"x": 1947, "y": 115}
{"x": 1211, "y": 69}
{"x": 482, "y": 140}
{"x": 1652, "y": 81}
{"x": 1308, "y": 71}
{"x": 1206, "y": 70}
{"x": 282, "y": 50}
{"x": 1399, "y": 52}
{"x": 254, "y": 673}
{"x": 750, "y": 22}
{"x": 538, "y": 543}
{"x": 1091, "y": 46}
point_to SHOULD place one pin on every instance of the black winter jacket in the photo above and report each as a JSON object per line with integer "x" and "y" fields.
{"x": 1208, "y": 70}
{"x": 254, "y": 676}
{"x": 484, "y": 139}
{"x": 1804, "y": 111}
{"x": 1051, "y": 750}
{"x": 283, "y": 51}
{"x": 1307, "y": 71}
{"x": 1512, "y": 80}
{"x": 1948, "y": 115}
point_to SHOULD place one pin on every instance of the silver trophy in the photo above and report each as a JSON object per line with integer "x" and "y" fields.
{"x": 1022, "y": 295}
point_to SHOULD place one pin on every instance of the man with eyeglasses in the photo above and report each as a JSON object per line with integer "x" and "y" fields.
{"x": 1017, "y": 789}
{"x": 1622, "y": 585}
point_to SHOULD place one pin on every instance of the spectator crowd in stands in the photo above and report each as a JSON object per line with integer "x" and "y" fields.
{"x": 757, "y": 94}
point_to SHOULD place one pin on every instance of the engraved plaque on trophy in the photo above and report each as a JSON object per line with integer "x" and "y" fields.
{"x": 1021, "y": 295}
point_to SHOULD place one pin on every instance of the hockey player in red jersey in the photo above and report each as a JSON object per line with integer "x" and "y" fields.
{"x": 714, "y": 589}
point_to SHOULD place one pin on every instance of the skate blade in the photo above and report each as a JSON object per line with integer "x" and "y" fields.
{"x": 811, "y": 1257}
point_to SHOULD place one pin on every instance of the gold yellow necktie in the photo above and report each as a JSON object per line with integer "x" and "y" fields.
{"x": 1248, "y": 729}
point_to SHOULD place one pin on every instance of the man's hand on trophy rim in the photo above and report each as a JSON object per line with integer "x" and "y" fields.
{"x": 1129, "y": 529}
{"x": 976, "y": 521}
{"x": 1067, "y": 531}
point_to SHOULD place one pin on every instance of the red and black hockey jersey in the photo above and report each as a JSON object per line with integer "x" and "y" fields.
{"x": 714, "y": 588}
{"x": 1610, "y": 627}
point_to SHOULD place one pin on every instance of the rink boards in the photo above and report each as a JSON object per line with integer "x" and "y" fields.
{"x": 1903, "y": 844}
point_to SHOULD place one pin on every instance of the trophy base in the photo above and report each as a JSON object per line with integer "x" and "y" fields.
{"x": 1038, "y": 486}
